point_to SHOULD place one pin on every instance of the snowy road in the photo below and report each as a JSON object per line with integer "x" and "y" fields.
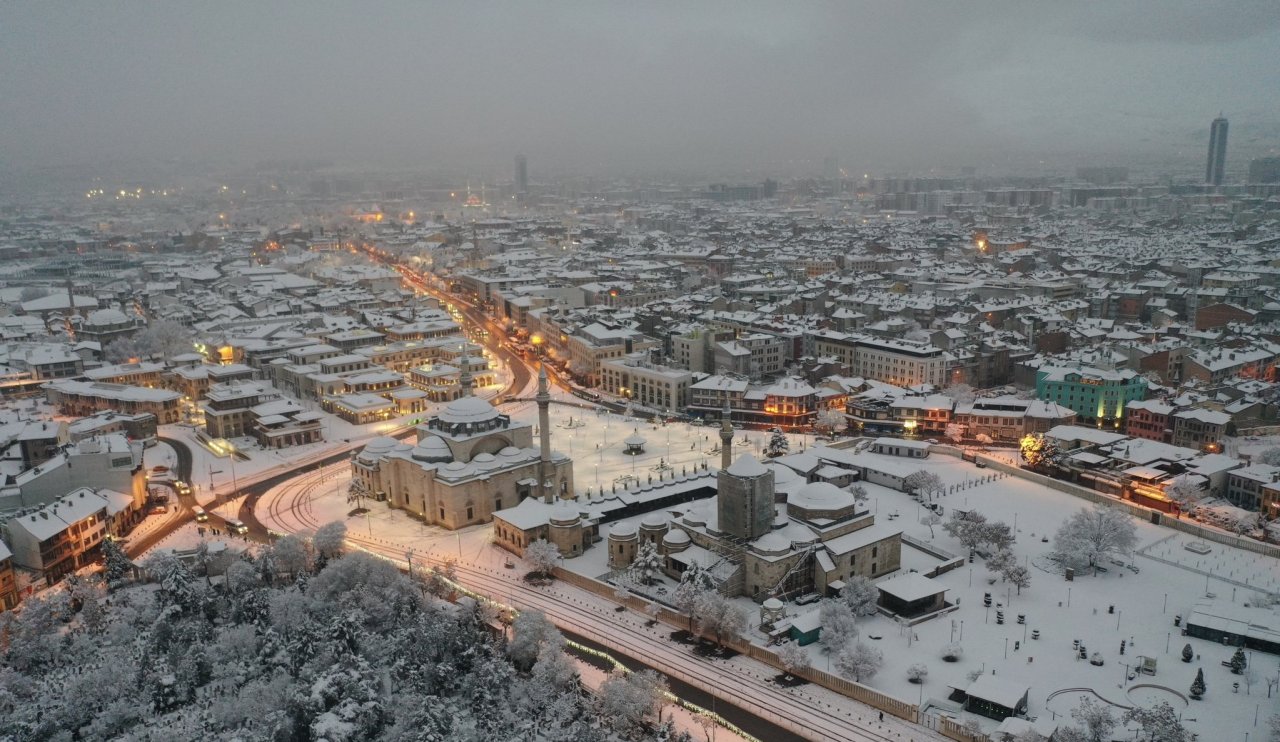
{"x": 810, "y": 711}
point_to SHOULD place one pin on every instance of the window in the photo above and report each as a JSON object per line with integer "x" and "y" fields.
{"x": 470, "y": 513}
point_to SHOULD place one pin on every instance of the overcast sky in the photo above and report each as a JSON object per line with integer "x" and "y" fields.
{"x": 601, "y": 86}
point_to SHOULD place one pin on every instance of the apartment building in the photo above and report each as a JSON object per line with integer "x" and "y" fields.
{"x": 8, "y": 580}
{"x": 60, "y": 537}
{"x": 899, "y": 362}
{"x": 652, "y": 385}
{"x": 1097, "y": 395}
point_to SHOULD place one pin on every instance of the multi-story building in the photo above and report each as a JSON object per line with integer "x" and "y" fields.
{"x": 228, "y": 408}
{"x": 596, "y": 343}
{"x": 1149, "y": 418}
{"x": 8, "y": 580}
{"x": 1096, "y": 395}
{"x": 80, "y": 398}
{"x": 143, "y": 373}
{"x": 1245, "y": 486}
{"x": 755, "y": 355}
{"x": 899, "y": 362}
{"x": 926, "y": 415}
{"x": 1216, "y": 163}
{"x": 109, "y": 461}
{"x": 60, "y": 537}
{"x": 652, "y": 385}
{"x": 1199, "y": 429}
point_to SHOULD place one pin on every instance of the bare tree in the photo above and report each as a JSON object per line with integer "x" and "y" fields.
{"x": 1090, "y": 535}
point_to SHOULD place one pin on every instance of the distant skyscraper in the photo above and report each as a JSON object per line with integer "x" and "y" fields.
{"x": 522, "y": 174}
{"x": 1217, "y": 152}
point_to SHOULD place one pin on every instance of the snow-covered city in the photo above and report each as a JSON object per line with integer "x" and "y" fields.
{"x": 630, "y": 386}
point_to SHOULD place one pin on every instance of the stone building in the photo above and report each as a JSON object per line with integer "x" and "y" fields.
{"x": 470, "y": 462}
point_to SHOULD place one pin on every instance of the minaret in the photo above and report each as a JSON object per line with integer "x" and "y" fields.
{"x": 464, "y": 379}
{"x": 543, "y": 399}
{"x": 726, "y": 436}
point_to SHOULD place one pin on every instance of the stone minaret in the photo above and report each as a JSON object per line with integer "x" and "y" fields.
{"x": 726, "y": 436}
{"x": 543, "y": 399}
{"x": 464, "y": 380}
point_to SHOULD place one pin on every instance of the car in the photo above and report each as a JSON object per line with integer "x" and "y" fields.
{"x": 159, "y": 509}
{"x": 980, "y": 464}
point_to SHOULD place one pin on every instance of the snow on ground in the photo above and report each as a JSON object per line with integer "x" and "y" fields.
{"x": 1145, "y": 602}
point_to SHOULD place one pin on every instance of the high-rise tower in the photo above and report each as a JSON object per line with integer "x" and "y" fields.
{"x": 1217, "y": 151}
{"x": 522, "y": 174}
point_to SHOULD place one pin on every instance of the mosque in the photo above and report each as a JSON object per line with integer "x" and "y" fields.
{"x": 762, "y": 529}
{"x": 470, "y": 462}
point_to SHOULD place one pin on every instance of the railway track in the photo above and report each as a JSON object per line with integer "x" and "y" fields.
{"x": 623, "y": 632}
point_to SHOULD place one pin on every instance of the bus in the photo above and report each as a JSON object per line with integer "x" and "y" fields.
{"x": 236, "y": 526}
{"x": 201, "y": 515}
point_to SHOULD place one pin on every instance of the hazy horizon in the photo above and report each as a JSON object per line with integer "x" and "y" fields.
{"x": 607, "y": 86}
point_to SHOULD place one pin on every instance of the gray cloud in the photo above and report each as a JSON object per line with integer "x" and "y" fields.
{"x": 600, "y": 86}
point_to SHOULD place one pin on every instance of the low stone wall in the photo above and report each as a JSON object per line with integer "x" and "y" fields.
{"x": 950, "y": 729}
{"x": 848, "y": 688}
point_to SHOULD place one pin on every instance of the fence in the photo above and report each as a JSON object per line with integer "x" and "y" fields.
{"x": 848, "y": 688}
{"x": 949, "y": 728}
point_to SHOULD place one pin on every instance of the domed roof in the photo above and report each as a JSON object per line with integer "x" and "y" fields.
{"x": 675, "y": 537}
{"x": 821, "y": 496}
{"x": 634, "y": 439}
{"x": 747, "y": 466}
{"x": 432, "y": 449}
{"x": 772, "y": 542}
{"x": 510, "y": 452}
{"x": 773, "y": 604}
{"x": 455, "y": 466}
{"x": 654, "y": 520}
{"x": 564, "y": 513}
{"x": 622, "y": 530}
{"x": 378, "y": 448}
{"x": 483, "y": 457}
{"x": 468, "y": 410}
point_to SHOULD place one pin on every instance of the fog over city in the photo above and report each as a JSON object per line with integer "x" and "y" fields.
{"x": 597, "y": 87}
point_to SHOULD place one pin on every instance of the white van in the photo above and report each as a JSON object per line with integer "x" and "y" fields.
{"x": 201, "y": 515}
{"x": 235, "y": 526}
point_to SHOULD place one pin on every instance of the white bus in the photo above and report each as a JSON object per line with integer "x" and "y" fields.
{"x": 201, "y": 515}
{"x": 235, "y": 526}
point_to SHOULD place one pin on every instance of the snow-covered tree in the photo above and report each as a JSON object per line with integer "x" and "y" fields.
{"x": 647, "y": 566}
{"x": 962, "y": 393}
{"x": 778, "y": 444}
{"x": 177, "y": 588}
{"x": 859, "y": 661}
{"x": 1184, "y": 491}
{"x": 530, "y": 631}
{"x": 969, "y": 528}
{"x": 924, "y": 483}
{"x": 161, "y": 339}
{"x": 793, "y": 658}
{"x": 917, "y": 673}
{"x": 1274, "y": 724}
{"x": 653, "y": 611}
{"x": 1000, "y": 562}
{"x": 1237, "y": 663}
{"x": 952, "y": 653}
{"x": 1095, "y": 720}
{"x": 329, "y": 541}
{"x": 954, "y": 432}
{"x": 292, "y": 555}
{"x": 1187, "y": 654}
{"x": 1037, "y": 450}
{"x": 542, "y": 556}
{"x": 116, "y": 565}
{"x": 931, "y": 519}
{"x": 831, "y": 421}
{"x": 839, "y": 626}
{"x": 998, "y": 535}
{"x": 1159, "y": 722}
{"x": 1019, "y": 575}
{"x": 861, "y": 594}
{"x": 1270, "y": 457}
{"x": 1091, "y": 535}
{"x": 859, "y": 493}
{"x": 1198, "y": 687}
{"x": 632, "y": 700}
{"x": 694, "y": 581}
{"x": 717, "y": 616}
